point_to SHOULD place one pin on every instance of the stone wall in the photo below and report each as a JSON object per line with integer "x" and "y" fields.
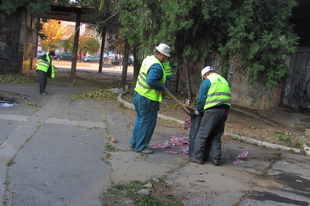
{"x": 243, "y": 94}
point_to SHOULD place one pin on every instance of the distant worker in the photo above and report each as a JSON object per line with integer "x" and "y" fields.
{"x": 214, "y": 101}
{"x": 168, "y": 65}
{"x": 45, "y": 69}
{"x": 147, "y": 96}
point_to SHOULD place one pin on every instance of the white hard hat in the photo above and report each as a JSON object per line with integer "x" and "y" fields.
{"x": 205, "y": 70}
{"x": 164, "y": 49}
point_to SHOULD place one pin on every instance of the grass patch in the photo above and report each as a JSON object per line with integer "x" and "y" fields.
{"x": 276, "y": 157}
{"x": 16, "y": 78}
{"x": 10, "y": 162}
{"x": 158, "y": 194}
{"x": 142, "y": 156}
{"x": 300, "y": 143}
{"x": 33, "y": 105}
{"x": 28, "y": 139}
{"x": 6, "y": 182}
{"x": 287, "y": 140}
{"x": 110, "y": 148}
{"x": 106, "y": 158}
{"x": 254, "y": 184}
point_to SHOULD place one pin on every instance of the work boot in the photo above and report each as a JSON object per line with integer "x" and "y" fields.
{"x": 146, "y": 151}
{"x": 216, "y": 162}
{"x": 196, "y": 160}
{"x": 132, "y": 146}
{"x": 44, "y": 93}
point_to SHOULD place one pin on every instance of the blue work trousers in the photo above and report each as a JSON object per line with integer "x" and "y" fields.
{"x": 145, "y": 123}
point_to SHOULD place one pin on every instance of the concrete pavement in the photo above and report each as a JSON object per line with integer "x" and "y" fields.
{"x": 54, "y": 154}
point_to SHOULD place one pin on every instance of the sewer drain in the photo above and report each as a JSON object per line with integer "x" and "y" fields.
{"x": 6, "y": 102}
{"x": 9, "y": 99}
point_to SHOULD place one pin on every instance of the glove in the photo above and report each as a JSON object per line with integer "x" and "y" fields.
{"x": 192, "y": 115}
{"x": 197, "y": 112}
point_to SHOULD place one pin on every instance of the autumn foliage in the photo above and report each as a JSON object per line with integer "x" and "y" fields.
{"x": 54, "y": 31}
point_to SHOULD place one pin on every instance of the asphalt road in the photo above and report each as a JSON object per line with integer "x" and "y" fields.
{"x": 107, "y": 67}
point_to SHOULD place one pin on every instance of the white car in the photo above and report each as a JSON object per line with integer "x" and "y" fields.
{"x": 40, "y": 53}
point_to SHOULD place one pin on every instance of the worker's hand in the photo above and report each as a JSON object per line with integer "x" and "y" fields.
{"x": 197, "y": 112}
{"x": 164, "y": 91}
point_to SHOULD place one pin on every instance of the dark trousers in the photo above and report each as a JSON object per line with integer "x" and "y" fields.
{"x": 210, "y": 131}
{"x": 42, "y": 77}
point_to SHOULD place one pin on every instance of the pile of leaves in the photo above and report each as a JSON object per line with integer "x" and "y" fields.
{"x": 82, "y": 82}
{"x": 102, "y": 94}
{"x": 16, "y": 78}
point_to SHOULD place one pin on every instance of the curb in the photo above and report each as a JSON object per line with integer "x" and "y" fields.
{"x": 306, "y": 149}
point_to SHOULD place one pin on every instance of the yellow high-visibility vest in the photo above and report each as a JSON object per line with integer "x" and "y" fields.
{"x": 43, "y": 66}
{"x": 142, "y": 87}
{"x": 219, "y": 91}
{"x": 168, "y": 68}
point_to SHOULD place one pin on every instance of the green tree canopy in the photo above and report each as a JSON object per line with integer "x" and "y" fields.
{"x": 86, "y": 44}
{"x": 256, "y": 32}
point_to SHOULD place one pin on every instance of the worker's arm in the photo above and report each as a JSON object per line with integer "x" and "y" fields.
{"x": 203, "y": 93}
{"x": 155, "y": 74}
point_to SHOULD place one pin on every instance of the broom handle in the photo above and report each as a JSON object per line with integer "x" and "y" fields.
{"x": 175, "y": 99}
{"x": 180, "y": 103}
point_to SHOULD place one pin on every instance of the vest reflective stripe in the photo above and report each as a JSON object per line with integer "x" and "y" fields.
{"x": 168, "y": 68}
{"x": 142, "y": 87}
{"x": 43, "y": 66}
{"x": 144, "y": 79}
{"x": 219, "y": 92}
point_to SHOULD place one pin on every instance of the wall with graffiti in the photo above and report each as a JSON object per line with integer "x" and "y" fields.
{"x": 297, "y": 90}
{"x": 243, "y": 94}
{"x": 257, "y": 97}
{"x": 194, "y": 75}
{"x": 18, "y": 41}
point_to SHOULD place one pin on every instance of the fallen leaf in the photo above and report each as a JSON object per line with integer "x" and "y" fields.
{"x": 113, "y": 140}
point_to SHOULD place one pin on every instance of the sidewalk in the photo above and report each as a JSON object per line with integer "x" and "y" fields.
{"x": 58, "y": 155}
{"x": 305, "y": 150}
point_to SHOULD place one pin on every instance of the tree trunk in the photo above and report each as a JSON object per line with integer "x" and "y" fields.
{"x": 136, "y": 69}
{"x": 189, "y": 91}
{"x": 125, "y": 64}
{"x": 103, "y": 34}
{"x": 177, "y": 75}
{"x": 75, "y": 45}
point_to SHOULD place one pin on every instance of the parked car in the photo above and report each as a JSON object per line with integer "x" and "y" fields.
{"x": 40, "y": 53}
{"x": 120, "y": 61}
{"x": 92, "y": 58}
{"x": 111, "y": 57}
{"x": 63, "y": 56}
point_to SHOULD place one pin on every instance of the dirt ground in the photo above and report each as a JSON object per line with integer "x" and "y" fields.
{"x": 255, "y": 126}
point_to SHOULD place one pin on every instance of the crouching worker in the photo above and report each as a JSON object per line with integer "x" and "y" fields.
{"x": 45, "y": 69}
{"x": 214, "y": 101}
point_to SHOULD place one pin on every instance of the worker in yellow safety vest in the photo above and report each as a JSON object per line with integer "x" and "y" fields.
{"x": 214, "y": 101}
{"x": 45, "y": 69}
{"x": 147, "y": 96}
{"x": 169, "y": 65}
